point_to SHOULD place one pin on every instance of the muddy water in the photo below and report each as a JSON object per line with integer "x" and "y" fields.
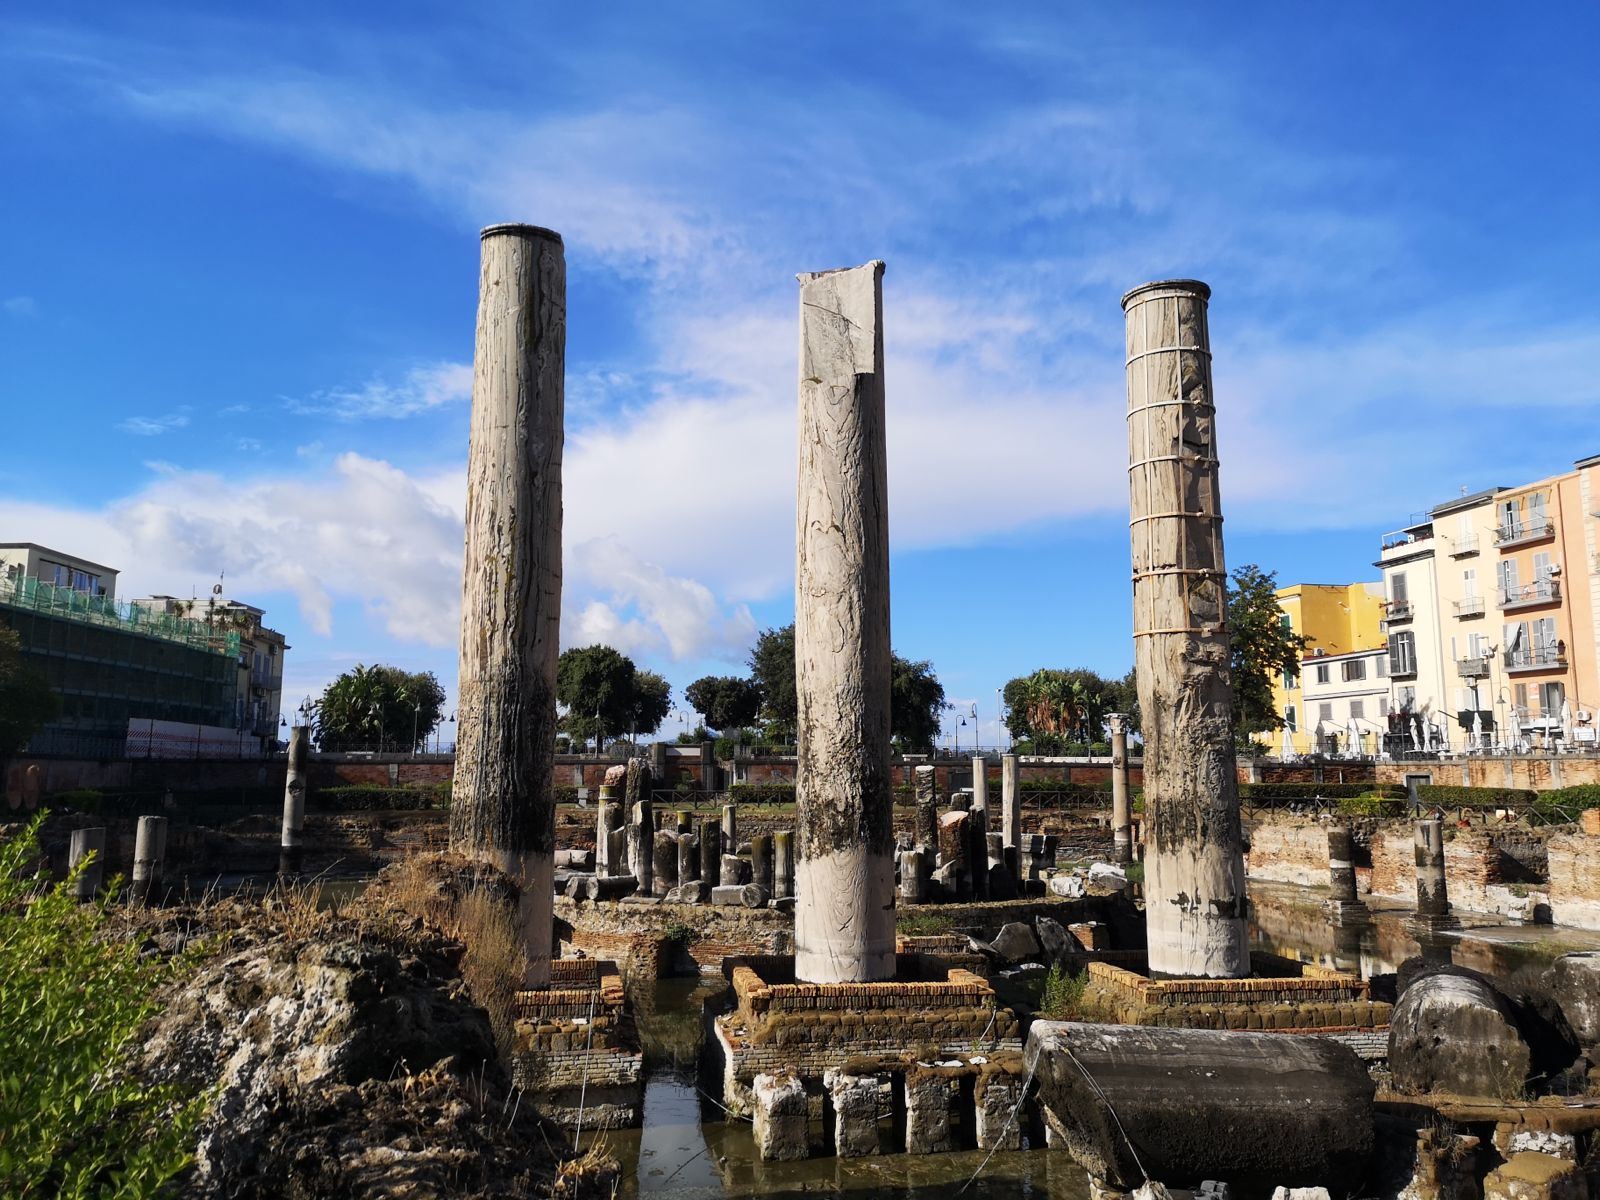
{"x": 688, "y": 1149}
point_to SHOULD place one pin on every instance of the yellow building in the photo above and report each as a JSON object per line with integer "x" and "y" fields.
{"x": 1342, "y": 687}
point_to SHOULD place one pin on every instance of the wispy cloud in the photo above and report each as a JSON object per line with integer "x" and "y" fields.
{"x": 154, "y": 426}
{"x": 20, "y": 306}
{"x": 420, "y": 390}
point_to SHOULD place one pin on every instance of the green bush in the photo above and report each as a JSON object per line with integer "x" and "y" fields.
{"x": 761, "y": 793}
{"x": 369, "y": 798}
{"x": 1446, "y": 795}
{"x": 1372, "y": 804}
{"x": 1266, "y": 793}
{"x": 1063, "y": 993}
{"x": 74, "y": 1119}
{"x": 1558, "y": 806}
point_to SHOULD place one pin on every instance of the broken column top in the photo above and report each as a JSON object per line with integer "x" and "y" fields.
{"x": 517, "y": 229}
{"x": 1186, "y": 287}
{"x": 807, "y": 276}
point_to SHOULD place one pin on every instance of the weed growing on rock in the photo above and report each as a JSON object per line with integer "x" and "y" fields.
{"x": 75, "y": 1121}
{"x": 1062, "y": 996}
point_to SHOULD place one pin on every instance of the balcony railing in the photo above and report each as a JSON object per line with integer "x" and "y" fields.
{"x": 1540, "y": 591}
{"x": 1534, "y": 658}
{"x": 1470, "y": 606}
{"x": 1473, "y": 668}
{"x": 262, "y": 681}
{"x": 1398, "y": 610}
{"x": 1464, "y": 545}
{"x": 1516, "y": 533}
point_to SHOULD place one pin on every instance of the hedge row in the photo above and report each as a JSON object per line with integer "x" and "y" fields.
{"x": 1267, "y": 792}
{"x": 368, "y": 798}
{"x": 1446, "y": 795}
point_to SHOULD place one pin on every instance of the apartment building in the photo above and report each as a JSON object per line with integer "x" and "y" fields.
{"x": 1339, "y": 697}
{"x": 1493, "y": 617}
{"x": 29, "y": 560}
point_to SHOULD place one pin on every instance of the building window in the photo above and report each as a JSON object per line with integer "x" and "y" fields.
{"x": 1383, "y": 706}
{"x": 1380, "y": 667}
{"x": 1354, "y": 669}
{"x": 1520, "y": 699}
{"x": 1288, "y": 717}
{"x": 1358, "y": 709}
{"x": 1290, "y": 681}
{"x": 1397, "y": 587}
{"x": 1402, "y": 654}
{"x": 1322, "y": 672}
{"x": 1324, "y": 712}
{"x": 1551, "y": 697}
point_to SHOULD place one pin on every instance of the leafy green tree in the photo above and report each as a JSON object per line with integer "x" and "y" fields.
{"x": 652, "y": 701}
{"x": 725, "y": 701}
{"x": 377, "y": 707}
{"x": 26, "y": 701}
{"x": 1262, "y": 647}
{"x": 1124, "y": 698}
{"x": 772, "y": 669}
{"x": 606, "y": 695}
{"x": 75, "y": 1119}
{"x": 916, "y": 702}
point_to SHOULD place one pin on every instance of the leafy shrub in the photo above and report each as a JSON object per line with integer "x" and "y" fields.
{"x": 761, "y": 793}
{"x": 1063, "y": 993}
{"x": 1372, "y": 804}
{"x": 1455, "y": 796}
{"x": 369, "y": 798}
{"x": 74, "y": 1119}
{"x": 1266, "y": 793}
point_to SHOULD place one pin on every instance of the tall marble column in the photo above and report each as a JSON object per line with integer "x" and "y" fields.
{"x": 1121, "y": 814}
{"x": 1195, "y": 900}
{"x": 844, "y": 872}
{"x": 502, "y": 805}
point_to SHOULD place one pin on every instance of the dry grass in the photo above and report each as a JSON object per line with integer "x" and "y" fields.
{"x": 494, "y": 961}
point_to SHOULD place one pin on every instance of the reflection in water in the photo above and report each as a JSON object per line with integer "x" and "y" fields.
{"x": 1292, "y": 922}
{"x": 688, "y": 1149}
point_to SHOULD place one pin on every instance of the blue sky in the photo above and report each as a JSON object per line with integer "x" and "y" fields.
{"x": 238, "y": 258}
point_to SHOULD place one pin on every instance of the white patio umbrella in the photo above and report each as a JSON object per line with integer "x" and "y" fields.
{"x": 1414, "y": 732}
{"x": 1287, "y": 752}
{"x": 1477, "y": 729}
{"x": 1352, "y": 733}
{"x": 1515, "y": 731}
{"x": 1566, "y": 723}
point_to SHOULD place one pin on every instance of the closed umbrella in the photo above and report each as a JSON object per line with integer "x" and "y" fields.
{"x": 1566, "y": 723}
{"x": 1515, "y": 731}
{"x": 1477, "y": 729}
{"x": 1352, "y": 733}
{"x": 1414, "y": 732}
{"x": 1287, "y": 752}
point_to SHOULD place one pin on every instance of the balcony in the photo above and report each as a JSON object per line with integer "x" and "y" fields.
{"x": 1537, "y": 658}
{"x": 1541, "y": 591}
{"x": 1461, "y": 547}
{"x": 1519, "y": 534}
{"x": 1470, "y": 606}
{"x": 1473, "y": 668}
{"x": 1401, "y": 669}
{"x": 261, "y": 681}
{"x": 1398, "y": 610}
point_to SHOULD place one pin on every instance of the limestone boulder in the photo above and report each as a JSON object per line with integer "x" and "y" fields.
{"x": 1016, "y": 943}
{"x": 1575, "y": 984}
{"x": 1105, "y": 880}
{"x": 1070, "y": 887}
{"x": 1054, "y": 940}
{"x": 1454, "y": 1032}
{"x": 780, "y": 1117}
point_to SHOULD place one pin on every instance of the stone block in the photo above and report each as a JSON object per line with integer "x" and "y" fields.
{"x": 780, "y": 1117}
{"x": 1532, "y": 1176}
{"x": 929, "y": 1101}
{"x": 1589, "y": 822}
{"x": 997, "y": 1119}
{"x": 1016, "y": 943}
{"x": 1053, "y": 938}
{"x": 855, "y": 1113}
{"x": 1456, "y": 1033}
{"x": 1575, "y": 984}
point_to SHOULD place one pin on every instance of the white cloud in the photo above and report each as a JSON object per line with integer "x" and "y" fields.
{"x": 20, "y": 306}
{"x": 154, "y": 426}
{"x": 425, "y": 387}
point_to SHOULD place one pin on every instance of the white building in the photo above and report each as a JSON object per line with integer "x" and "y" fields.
{"x": 1346, "y": 700}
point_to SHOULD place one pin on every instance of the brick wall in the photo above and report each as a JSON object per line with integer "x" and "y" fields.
{"x": 1536, "y": 773}
{"x": 1574, "y": 888}
{"x": 1474, "y": 870}
{"x": 1287, "y": 851}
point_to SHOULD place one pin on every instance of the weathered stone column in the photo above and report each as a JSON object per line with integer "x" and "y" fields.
{"x": 927, "y": 795}
{"x": 688, "y": 859}
{"x": 730, "y": 827}
{"x": 664, "y": 862}
{"x": 83, "y": 843}
{"x": 711, "y": 852}
{"x": 913, "y": 876}
{"x": 1194, "y": 867}
{"x": 502, "y": 807}
{"x": 1433, "y": 899}
{"x": 780, "y": 1119}
{"x": 641, "y": 863}
{"x": 1121, "y": 814}
{"x": 782, "y": 864}
{"x": 980, "y": 780}
{"x": 1010, "y": 801}
{"x": 149, "y": 851}
{"x": 761, "y": 861}
{"x": 605, "y": 820}
{"x": 844, "y": 876}
{"x": 291, "y": 854}
{"x": 978, "y": 852}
